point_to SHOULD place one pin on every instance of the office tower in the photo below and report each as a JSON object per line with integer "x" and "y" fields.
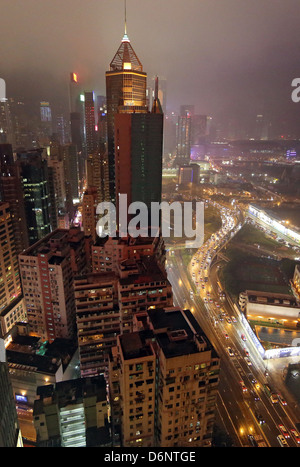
{"x": 76, "y": 124}
{"x": 76, "y": 129}
{"x": 184, "y": 135}
{"x": 167, "y": 374}
{"x": 101, "y": 120}
{"x": 10, "y": 286}
{"x": 138, "y": 164}
{"x": 11, "y": 193}
{"x": 62, "y": 129}
{"x": 53, "y": 199}
{"x": 45, "y": 109}
{"x": 69, "y": 156}
{"x": 10, "y": 435}
{"x": 46, "y": 120}
{"x": 97, "y": 173}
{"x": 125, "y": 93}
{"x": 35, "y": 179}
{"x": 89, "y": 206}
{"x": 162, "y": 92}
{"x": 199, "y": 129}
{"x": 170, "y": 134}
{"x": 89, "y": 123}
{"x": 73, "y": 413}
{"x": 56, "y": 163}
{"x": 47, "y": 281}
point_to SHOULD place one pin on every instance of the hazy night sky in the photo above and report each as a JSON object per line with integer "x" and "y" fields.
{"x": 227, "y": 57}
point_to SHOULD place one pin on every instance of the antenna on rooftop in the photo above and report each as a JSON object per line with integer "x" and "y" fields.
{"x": 125, "y": 18}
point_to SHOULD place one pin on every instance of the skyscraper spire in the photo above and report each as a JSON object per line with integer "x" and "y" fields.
{"x": 125, "y": 37}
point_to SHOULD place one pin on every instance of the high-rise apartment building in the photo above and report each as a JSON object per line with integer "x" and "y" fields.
{"x": 12, "y": 306}
{"x": 97, "y": 173}
{"x": 106, "y": 304}
{"x": 142, "y": 284}
{"x": 97, "y": 320}
{"x": 108, "y": 252}
{"x": 163, "y": 382}
{"x": 89, "y": 206}
{"x": 11, "y": 193}
{"x": 47, "y": 281}
{"x": 10, "y": 286}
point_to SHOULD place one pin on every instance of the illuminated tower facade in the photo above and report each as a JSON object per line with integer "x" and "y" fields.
{"x": 126, "y": 84}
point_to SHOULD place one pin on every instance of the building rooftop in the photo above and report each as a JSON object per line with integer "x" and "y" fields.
{"x": 50, "y": 243}
{"x": 72, "y": 391}
{"x": 134, "y": 344}
{"x": 269, "y": 298}
{"x": 141, "y": 271}
{"x": 177, "y": 332}
{"x": 126, "y": 58}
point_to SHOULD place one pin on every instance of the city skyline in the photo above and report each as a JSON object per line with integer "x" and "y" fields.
{"x": 115, "y": 331}
{"x": 234, "y": 60}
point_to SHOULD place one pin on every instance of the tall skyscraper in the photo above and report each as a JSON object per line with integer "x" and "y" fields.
{"x": 135, "y": 135}
{"x": 138, "y": 168}
{"x": 126, "y": 93}
{"x": 89, "y": 123}
{"x": 97, "y": 172}
{"x": 89, "y": 206}
{"x": 184, "y": 135}
{"x": 35, "y": 179}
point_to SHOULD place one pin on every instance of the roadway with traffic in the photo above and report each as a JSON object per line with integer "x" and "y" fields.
{"x": 244, "y": 407}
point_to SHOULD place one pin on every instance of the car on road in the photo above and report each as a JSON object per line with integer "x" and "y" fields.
{"x": 254, "y": 395}
{"x": 248, "y": 361}
{"x": 228, "y": 320}
{"x": 251, "y": 377}
{"x": 243, "y": 386}
{"x": 233, "y": 319}
{"x": 283, "y": 430}
{"x": 274, "y": 398}
{"x": 295, "y": 435}
{"x": 243, "y": 337}
{"x": 259, "y": 417}
{"x": 230, "y": 351}
{"x": 226, "y": 335}
{"x": 281, "y": 399}
{"x": 246, "y": 352}
{"x": 281, "y": 440}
